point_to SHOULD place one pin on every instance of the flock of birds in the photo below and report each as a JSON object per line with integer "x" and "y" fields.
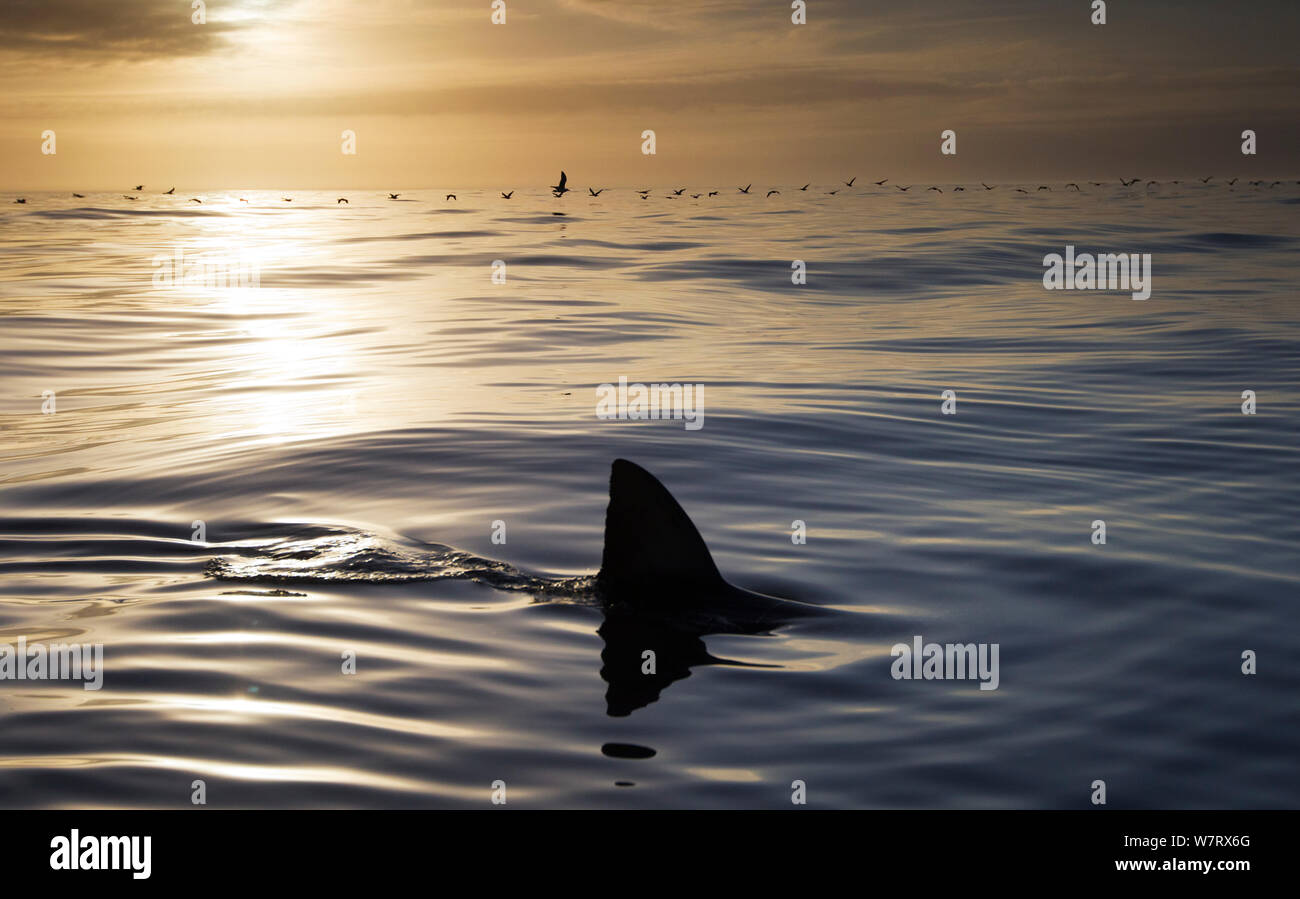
{"x": 562, "y": 188}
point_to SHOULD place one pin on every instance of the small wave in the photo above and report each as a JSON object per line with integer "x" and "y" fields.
{"x": 103, "y": 212}
{"x": 1229, "y": 239}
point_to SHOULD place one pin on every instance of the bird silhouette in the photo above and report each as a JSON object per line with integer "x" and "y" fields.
{"x": 986, "y": 187}
{"x": 506, "y": 196}
{"x": 125, "y": 197}
{"x": 831, "y": 193}
{"x": 449, "y": 197}
{"x": 21, "y": 200}
{"x": 745, "y": 189}
{"x": 1097, "y": 183}
{"x": 595, "y": 193}
{"x": 909, "y": 187}
{"x": 139, "y": 187}
{"x": 696, "y": 196}
{"x": 1129, "y": 183}
{"x": 713, "y": 193}
{"x": 1149, "y": 183}
{"x": 241, "y": 199}
{"x": 172, "y": 191}
{"x": 678, "y": 193}
{"x": 770, "y": 192}
{"x": 393, "y": 196}
{"x": 341, "y": 200}
{"x": 195, "y": 200}
{"x": 646, "y": 191}
{"x": 559, "y": 189}
{"x": 934, "y": 188}
{"x": 80, "y": 196}
{"x": 806, "y": 186}
{"x": 881, "y": 182}
{"x": 1232, "y": 182}
{"x": 959, "y": 188}
{"x": 1206, "y": 179}
{"x": 1043, "y": 187}
{"x": 1021, "y": 190}
{"x": 849, "y": 183}
{"x": 287, "y": 199}
{"x": 1075, "y": 186}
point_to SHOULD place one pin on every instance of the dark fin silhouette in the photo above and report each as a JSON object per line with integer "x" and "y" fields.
{"x": 652, "y": 548}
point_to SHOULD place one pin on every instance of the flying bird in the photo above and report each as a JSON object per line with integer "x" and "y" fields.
{"x": 1072, "y": 184}
{"x": 287, "y": 199}
{"x": 1097, "y": 183}
{"x": 341, "y": 200}
{"x": 849, "y": 183}
{"x": 393, "y": 196}
{"x": 506, "y": 196}
{"x": 646, "y": 191}
{"x": 1149, "y": 183}
{"x": 1129, "y": 183}
{"x": 986, "y": 187}
{"x": 449, "y": 197}
{"x": 172, "y": 191}
{"x": 241, "y": 199}
{"x": 1022, "y": 190}
{"x": 124, "y": 197}
{"x": 678, "y": 193}
{"x": 909, "y": 187}
{"x": 881, "y": 182}
{"x": 80, "y": 196}
{"x": 770, "y": 192}
{"x": 806, "y": 186}
{"x": 139, "y": 187}
{"x": 713, "y": 193}
{"x": 745, "y": 189}
{"x": 959, "y": 187}
{"x": 1232, "y": 182}
{"x": 1206, "y": 179}
{"x": 21, "y": 200}
{"x": 696, "y": 196}
{"x": 559, "y": 189}
{"x": 1043, "y": 187}
{"x": 195, "y": 200}
{"x": 597, "y": 193}
{"x": 831, "y": 193}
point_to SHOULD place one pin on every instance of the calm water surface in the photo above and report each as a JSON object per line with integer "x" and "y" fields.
{"x": 377, "y": 398}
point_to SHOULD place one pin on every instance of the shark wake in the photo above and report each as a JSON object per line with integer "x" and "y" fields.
{"x": 341, "y": 555}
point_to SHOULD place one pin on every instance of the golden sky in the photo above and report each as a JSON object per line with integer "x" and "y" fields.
{"x": 438, "y": 96}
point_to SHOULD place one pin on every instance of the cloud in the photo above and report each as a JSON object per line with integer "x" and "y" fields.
{"x": 659, "y": 15}
{"x": 144, "y": 29}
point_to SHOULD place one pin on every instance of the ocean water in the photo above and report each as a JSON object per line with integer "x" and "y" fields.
{"x": 233, "y": 488}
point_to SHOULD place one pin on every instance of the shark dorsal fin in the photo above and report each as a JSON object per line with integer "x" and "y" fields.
{"x": 651, "y": 546}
